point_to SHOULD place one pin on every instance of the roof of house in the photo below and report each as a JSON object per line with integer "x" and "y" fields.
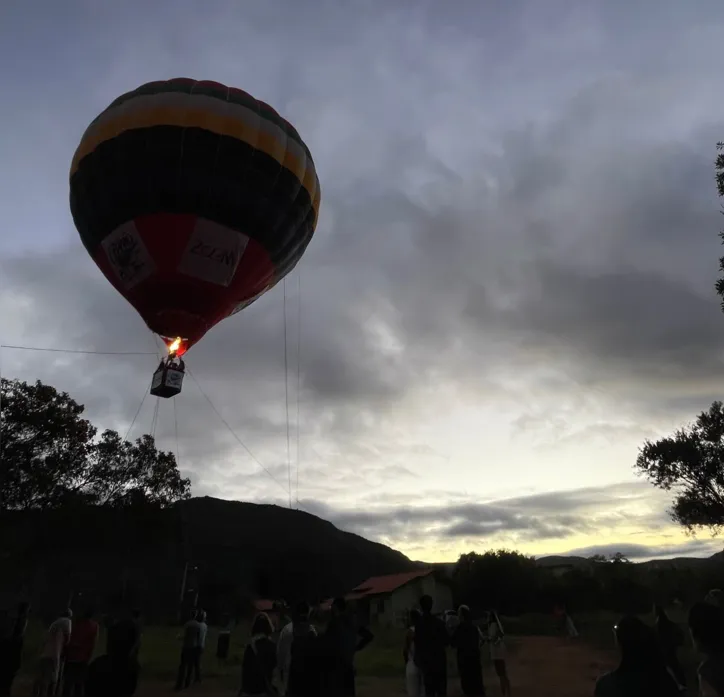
{"x": 381, "y": 585}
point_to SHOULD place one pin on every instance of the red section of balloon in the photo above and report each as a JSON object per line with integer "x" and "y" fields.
{"x": 172, "y": 297}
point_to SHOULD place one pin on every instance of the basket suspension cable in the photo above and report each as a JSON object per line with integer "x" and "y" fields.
{"x": 138, "y": 411}
{"x": 154, "y": 421}
{"x": 286, "y": 391}
{"x": 299, "y": 373}
{"x": 231, "y": 430}
{"x": 175, "y": 428}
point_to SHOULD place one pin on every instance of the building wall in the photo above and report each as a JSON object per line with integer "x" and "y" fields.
{"x": 391, "y": 610}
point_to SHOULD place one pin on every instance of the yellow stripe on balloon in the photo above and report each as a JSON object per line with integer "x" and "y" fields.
{"x": 229, "y": 120}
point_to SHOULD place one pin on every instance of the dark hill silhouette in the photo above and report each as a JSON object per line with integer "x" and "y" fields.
{"x": 234, "y": 552}
{"x": 677, "y": 562}
{"x": 281, "y": 552}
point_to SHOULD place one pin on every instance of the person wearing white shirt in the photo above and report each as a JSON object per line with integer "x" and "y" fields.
{"x": 413, "y": 676}
{"x": 498, "y": 651}
{"x": 51, "y": 655}
{"x": 203, "y": 631}
{"x": 190, "y": 652}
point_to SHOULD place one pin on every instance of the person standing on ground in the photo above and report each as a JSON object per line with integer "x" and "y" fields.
{"x": 281, "y": 619}
{"x": 641, "y": 671}
{"x": 123, "y": 648}
{"x": 260, "y": 659}
{"x": 298, "y": 655}
{"x": 11, "y": 648}
{"x": 78, "y": 654}
{"x": 706, "y": 622}
{"x": 671, "y": 639}
{"x": 559, "y": 618}
{"x": 498, "y": 652}
{"x": 571, "y": 630}
{"x": 431, "y": 639}
{"x": 198, "y": 654}
{"x": 715, "y": 597}
{"x": 282, "y": 637}
{"x": 413, "y": 676}
{"x": 191, "y": 641}
{"x": 452, "y": 621}
{"x": 466, "y": 639}
{"x": 342, "y": 639}
{"x": 223, "y": 643}
{"x": 51, "y": 655}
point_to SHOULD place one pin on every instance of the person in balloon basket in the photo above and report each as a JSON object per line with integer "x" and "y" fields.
{"x": 431, "y": 640}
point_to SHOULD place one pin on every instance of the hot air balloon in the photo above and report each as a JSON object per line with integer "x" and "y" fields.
{"x": 194, "y": 199}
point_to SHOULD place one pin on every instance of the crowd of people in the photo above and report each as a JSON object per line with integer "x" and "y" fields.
{"x": 65, "y": 665}
{"x": 649, "y": 664}
{"x": 288, "y": 655}
{"x": 294, "y": 659}
{"x": 425, "y": 651}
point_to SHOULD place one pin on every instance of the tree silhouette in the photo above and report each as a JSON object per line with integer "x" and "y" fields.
{"x": 720, "y": 189}
{"x": 691, "y": 464}
{"x": 52, "y": 457}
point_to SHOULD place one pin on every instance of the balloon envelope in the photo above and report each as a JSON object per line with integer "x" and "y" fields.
{"x": 194, "y": 199}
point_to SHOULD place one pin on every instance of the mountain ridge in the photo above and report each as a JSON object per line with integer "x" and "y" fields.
{"x": 226, "y": 553}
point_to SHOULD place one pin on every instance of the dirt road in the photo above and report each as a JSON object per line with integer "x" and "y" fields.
{"x": 540, "y": 667}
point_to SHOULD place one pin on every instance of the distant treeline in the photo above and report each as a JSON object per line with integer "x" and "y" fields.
{"x": 516, "y": 584}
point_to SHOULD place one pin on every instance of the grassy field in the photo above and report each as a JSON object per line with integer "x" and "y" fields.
{"x": 540, "y": 662}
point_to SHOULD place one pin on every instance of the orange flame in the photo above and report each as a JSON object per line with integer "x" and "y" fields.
{"x": 176, "y": 347}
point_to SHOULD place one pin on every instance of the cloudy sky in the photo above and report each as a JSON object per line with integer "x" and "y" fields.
{"x": 510, "y": 287}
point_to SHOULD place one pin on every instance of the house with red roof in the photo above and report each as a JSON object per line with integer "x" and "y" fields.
{"x": 387, "y": 600}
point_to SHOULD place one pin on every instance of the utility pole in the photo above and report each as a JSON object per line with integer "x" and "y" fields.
{"x": 183, "y": 593}
{"x": 182, "y": 596}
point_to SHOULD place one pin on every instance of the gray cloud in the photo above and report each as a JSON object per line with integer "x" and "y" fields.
{"x": 525, "y": 519}
{"x": 691, "y": 548}
{"x": 538, "y": 519}
{"x": 518, "y": 209}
